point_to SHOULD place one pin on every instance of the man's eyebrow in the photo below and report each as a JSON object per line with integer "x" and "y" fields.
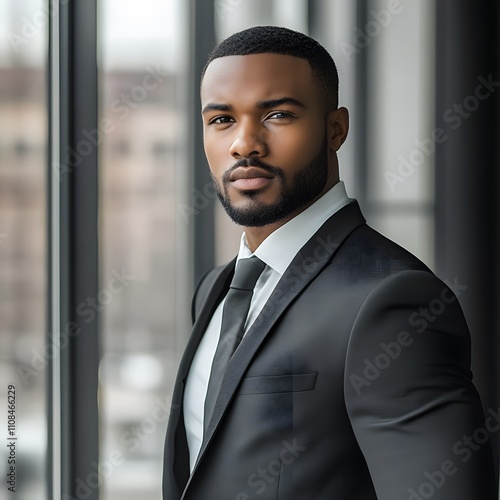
{"x": 216, "y": 107}
{"x": 267, "y": 104}
{"x": 273, "y": 103}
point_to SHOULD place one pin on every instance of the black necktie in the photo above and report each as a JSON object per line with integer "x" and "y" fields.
{"x": 234, "y": 315}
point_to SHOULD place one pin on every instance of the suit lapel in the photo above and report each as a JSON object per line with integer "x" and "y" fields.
{"x": 176, "y": 444}
{"x": 215, "y": 293}
{"x": 306, "y": 265}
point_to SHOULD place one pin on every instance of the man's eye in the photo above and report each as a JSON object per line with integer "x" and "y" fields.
{"x": 220, "y": 120}
{"x": 280, "y": 115}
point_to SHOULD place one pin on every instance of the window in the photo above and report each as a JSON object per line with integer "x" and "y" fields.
{"x": 140, "y": 165}
{"x": 24, "y": 354}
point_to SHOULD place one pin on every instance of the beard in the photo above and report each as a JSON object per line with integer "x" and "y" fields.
{"x": 306, "y": 184}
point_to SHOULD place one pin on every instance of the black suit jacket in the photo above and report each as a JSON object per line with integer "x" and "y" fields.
{"x": 353, "y": 383}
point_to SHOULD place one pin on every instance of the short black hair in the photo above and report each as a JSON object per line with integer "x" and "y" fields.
{"x": 278, "y": 40}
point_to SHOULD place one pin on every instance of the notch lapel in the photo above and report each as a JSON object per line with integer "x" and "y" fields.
{"x": 176, "y": 444}
{"x": 215, "y": 294}
{"x": 306, "y": 265}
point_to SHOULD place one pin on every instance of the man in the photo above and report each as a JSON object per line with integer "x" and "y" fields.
{"x": 341, "y": 369}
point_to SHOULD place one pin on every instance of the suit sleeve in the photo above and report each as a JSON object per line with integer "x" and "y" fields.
{"x": 410, "y": 398}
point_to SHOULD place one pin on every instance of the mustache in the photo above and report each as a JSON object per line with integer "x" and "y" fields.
{"x": 252, "y": 162}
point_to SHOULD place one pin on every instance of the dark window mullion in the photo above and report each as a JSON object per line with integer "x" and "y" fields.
{"x": 74, "y": 272}
{"x": 203, "y": 40}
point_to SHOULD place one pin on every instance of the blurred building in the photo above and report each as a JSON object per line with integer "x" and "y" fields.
{"x": 23, "y": 284}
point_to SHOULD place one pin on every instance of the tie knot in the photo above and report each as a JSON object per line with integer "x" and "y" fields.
{"x": 247, "y": 273}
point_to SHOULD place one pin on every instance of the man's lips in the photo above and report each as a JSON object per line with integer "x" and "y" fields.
{"x": 249, "y": 173}
{"x": 248, "y": 178}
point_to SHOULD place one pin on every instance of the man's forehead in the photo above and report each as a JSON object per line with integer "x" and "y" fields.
{"x": 275, "y": 72}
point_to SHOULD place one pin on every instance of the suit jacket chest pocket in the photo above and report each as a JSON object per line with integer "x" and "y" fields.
{"x": 276, "y": 384}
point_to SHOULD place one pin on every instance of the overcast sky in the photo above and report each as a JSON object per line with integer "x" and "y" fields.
{"x": 134, "y": 33}
{"x": 141, "y": 32}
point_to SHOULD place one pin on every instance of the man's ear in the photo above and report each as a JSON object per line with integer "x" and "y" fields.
{"x": 337, "y": 122}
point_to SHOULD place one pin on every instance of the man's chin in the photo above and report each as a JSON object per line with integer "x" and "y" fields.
{"x": 249, "y": 219}
{"x": 260, "y": 216}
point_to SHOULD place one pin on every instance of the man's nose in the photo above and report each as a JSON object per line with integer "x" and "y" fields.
{"x": 249, "y": 142}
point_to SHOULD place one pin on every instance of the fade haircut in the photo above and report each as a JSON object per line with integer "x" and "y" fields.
{"x": 284, "y": 41}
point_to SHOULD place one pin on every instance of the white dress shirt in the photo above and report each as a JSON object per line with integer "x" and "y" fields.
{"x": 277, "y": 251}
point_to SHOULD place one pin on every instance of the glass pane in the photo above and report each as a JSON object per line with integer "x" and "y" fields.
{"x": 141, "y": 79}
{"x": 236, "y": 15}
{"x": 403, "y": 141}
{"x": 23, "y": 227}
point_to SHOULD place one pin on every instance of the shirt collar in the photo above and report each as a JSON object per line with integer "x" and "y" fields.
{"x": 281, "y": 246}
